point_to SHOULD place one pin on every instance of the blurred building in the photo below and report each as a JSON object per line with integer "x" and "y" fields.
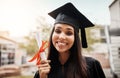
{"x": 98, "y": 33}
{"x": 99, "y": 47}
{"x": 10, "y": 52}
{"x": 114, "y": 38}
{"x": 7, "y": 51}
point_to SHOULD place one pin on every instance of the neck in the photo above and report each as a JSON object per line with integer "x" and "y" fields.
{"x": 63, "y": 57}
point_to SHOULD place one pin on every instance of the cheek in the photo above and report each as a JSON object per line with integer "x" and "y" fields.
{"x": 54, "y": 37}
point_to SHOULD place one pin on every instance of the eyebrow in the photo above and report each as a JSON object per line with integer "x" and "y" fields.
{"x": 66, "y": 28}
{"x": 69, "y": 29}
{"x": 58, "y": 27}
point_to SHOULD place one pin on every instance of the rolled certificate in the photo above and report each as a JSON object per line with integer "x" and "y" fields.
{"x": 39, "y": 42}
{"x": 43, "y": 56}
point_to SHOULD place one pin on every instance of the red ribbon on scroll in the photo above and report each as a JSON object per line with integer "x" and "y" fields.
{"x": 37, "y": 55}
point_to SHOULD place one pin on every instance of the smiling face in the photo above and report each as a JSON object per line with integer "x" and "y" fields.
{"x": 63, "y": 37}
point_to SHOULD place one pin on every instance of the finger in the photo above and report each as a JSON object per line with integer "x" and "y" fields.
{"x": 44, "y": 69}
{"x": 49, "y": 61}
{"x": 45, "y": 61}
{"x": 44, "y": 65}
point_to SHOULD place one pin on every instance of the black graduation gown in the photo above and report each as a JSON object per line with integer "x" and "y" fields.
{"x": 93, "y": 66}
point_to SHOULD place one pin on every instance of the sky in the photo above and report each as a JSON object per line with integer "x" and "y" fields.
{"x": 19, "y": 16}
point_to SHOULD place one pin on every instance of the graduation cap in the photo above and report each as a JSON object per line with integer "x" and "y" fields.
{"x": 68, "y": 14}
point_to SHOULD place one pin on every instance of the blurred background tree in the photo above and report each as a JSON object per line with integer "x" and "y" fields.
{"x": 90, "y": 35}
{"x": 31, "y": 44}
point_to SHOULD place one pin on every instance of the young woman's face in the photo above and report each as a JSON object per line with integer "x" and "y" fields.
{"x": 63, "y": 37}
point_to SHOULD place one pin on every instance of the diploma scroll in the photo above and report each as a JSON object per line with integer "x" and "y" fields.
{"x": 39, "y": 42}
{"x": 40, "y": 55}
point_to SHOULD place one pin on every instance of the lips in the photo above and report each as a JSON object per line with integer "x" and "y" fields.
{"x": 61, "y": 44}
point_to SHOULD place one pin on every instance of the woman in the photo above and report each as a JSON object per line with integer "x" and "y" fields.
{"x": 65, "y": 59}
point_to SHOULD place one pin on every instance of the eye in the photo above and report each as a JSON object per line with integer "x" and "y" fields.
{"x": 69, "y": 33}
{"x": 57, "y": 31}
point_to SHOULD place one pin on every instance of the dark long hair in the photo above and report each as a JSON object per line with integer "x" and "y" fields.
{"x": 77, "y": 67}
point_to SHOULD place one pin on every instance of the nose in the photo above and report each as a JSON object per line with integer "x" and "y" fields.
{"x": 62, "y": 36}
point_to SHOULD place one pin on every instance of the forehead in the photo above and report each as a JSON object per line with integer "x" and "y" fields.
{"x": 64, "y": 26}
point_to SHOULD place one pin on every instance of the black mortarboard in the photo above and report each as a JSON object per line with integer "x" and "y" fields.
{"x": 70, "y": 15}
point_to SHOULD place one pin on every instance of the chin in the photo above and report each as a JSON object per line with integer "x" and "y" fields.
{"x": 62, "y": 51}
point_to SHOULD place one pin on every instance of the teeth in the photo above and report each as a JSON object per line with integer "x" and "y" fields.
{"x": 62, "y": 44}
